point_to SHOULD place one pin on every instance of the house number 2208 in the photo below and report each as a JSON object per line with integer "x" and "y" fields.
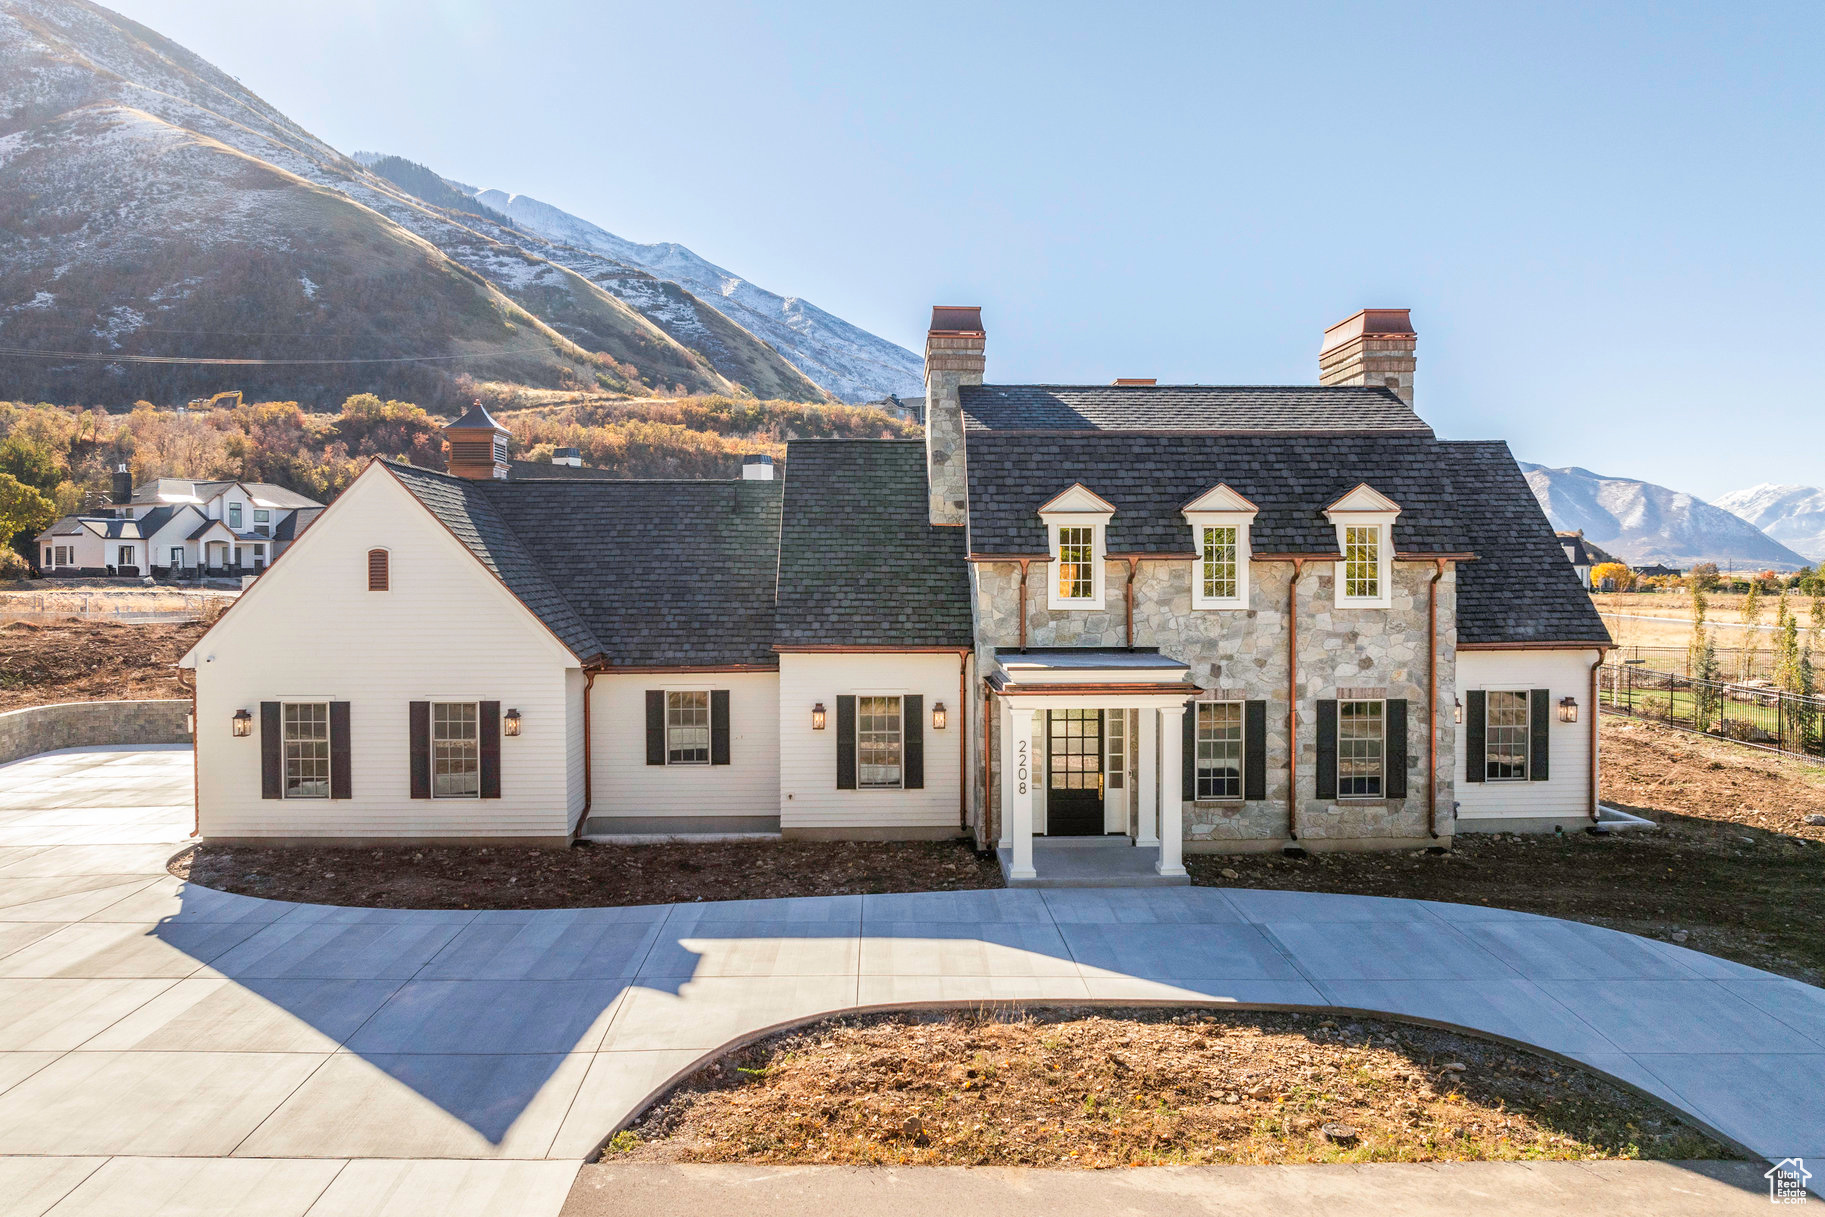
{"x": 1020, "y": 766}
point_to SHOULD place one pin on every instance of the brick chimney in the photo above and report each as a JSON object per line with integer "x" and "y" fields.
{"x": 475, "y": 446}
{"x": 123, "y": 486}
{"x": 953, "y": 357}
{"x": 1374, "y": 347}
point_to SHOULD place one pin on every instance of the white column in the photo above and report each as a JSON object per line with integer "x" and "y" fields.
{"x": 1004, "y": 721}
{"x": 1019, "y": 759}
{"x": 1172, "y": 795}
{"x": 1146, "y": 831}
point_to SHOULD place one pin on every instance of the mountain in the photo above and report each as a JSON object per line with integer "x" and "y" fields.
{"x": 849, "y": 361}
{"x": 1792, "y": 515}
{"x": 1644, "y": 524}
{"x": 154, "y": 212}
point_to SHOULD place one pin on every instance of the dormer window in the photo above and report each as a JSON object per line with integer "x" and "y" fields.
{"x": 1077, "y": 525}
{"x": 1220, "y": 520}
{"x": 1364, "y": 519}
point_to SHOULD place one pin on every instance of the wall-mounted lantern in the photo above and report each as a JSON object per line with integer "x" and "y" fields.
{"x": 939, "y": 717}
{"x": 1568, "y": 710}
{"x": 190, "y": 723}
{"x": 817, "y": 717}
{"x": 1457, "y": 710}
{"x": 511, "y": 723}
{"x": 243, "y": 724}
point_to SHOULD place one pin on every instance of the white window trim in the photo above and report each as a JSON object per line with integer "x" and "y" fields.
{"x": 1241, "y": 522}
{"x": 1383, "y": 523}
{"x": 709, "y": 709}
{"x": 1380, "y": 796}
{"x": 1527, "y": 760}
{"x": 859, "y": 695}
{"x": 285, "y": 761}
{"x": 456, "y": 701}
{"x": 1241, "y": 795}
{"x": 1098, "y": 524}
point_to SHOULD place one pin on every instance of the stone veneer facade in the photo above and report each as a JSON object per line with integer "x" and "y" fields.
{"x": 1242, "y": 655}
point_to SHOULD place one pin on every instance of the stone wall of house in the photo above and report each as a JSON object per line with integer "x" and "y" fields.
{"x": 80, "y": 724}
{"x": 1242, "y": 655}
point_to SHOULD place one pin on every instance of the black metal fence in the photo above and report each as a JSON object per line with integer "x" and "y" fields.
{"x": 1750, "y": 713}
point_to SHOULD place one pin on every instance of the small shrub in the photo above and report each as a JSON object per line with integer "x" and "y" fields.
{"x": 13, "y": 566}
{"x": 1655, "y": 707}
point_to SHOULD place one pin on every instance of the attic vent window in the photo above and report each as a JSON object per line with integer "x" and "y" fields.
{"x": 377, "y": 570}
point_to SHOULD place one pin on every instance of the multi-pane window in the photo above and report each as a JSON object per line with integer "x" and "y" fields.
{"x": 456, "y": 753}
{"x": 1219, "y": 750}
{"x": 877, "y": 743}
{"x": 306, "y": 729}
{"x": 1076, "y": 562}
{"x": 687, "y": 728}
{"x": 1115, "y": 729}
{"x": 1219, "y": 563}
{"x": 1361, "y": 745}
{"x": 234, "y": 516}
{"x": 1505, "y": 736}
{"x": 1362, "y": 562}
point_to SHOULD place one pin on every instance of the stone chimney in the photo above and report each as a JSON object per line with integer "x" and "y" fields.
{"x": 757, "y": 467}
{"x": 567, "y": 456}
{"x": 123, "y": 485}
{"x": 475, "y": 446}
{"x": 953, "y": 358}
{"x": 1375, "y": 347}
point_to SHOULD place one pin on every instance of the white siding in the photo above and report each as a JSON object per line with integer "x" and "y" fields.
{"x": 808, "y": 797}
{"x": 1566, "y": 794}
{"x": 573, "y": 744}
{"x": 310, "y": 629}
{"x": 627, "y": 786}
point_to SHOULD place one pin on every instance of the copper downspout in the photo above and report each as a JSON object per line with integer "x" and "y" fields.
{"x": 1134, "y": 563}
{"x": 1292, "y": 701}
{"x": 963, "y": 741}
{"x": 1596, "y": 713}
{"x": 988, "y": 754}
{"x": 1023, "y": 602}
{"x": 589, "y": 790}
{"x": 1432, "y": 702}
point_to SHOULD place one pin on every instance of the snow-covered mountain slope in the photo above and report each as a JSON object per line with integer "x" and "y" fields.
{"x": 1792, "y": 515}
{"x": 849, "y": 361}
{"x": 197, "y": 255}
{"x": 1642, "y": 523}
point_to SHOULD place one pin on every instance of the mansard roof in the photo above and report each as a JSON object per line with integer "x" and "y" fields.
{"x": 1234, "y": 409}
{"x": 860, "y": 564}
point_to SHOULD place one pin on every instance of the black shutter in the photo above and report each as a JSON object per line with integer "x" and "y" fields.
{"x": 421, "y": 749}
{"x": 1394, "y": 782}
{"x": 1327, "y": 749}
{"x": 342, "y": 776}
{"x": 272, "y": 751}
{"x": 1254, "y": 749}
{"x": 488, "y": 724}
{"x": 912, "y": 732}
{"x": 1539, "y": 743}
{"x": 719, "y": 726}
{"x": 655, "y": 726}
{"x": 1476, "y": 721}
{"x": 1188, "y": 753}
{"x": 845, "y": 742}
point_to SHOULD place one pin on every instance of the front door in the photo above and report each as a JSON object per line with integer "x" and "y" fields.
{"x": 1074, "y": 773}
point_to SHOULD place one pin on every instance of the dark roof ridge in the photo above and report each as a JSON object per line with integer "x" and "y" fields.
{"x": 1382, "y": 390}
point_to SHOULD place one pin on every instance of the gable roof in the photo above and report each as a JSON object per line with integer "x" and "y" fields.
{"x": 860, "y": 563}
{"x": 1243, "y": 409}
{"x": 472, "y": 519}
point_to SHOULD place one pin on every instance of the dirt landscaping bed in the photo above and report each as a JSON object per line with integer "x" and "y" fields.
{"x": 91, "y": 661}
{"x": 1102, "y": 1088}
{"x": 1734, "y": 869}
{"x": 587, "y": 875}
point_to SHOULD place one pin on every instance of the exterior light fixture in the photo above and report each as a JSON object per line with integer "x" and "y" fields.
{"x": 817, "y": 717}
{"x": 1457, "y": 710}
{"x": 243, "y": 724}
{"x": 190, "y": 723}
{"x": 1568, "y": 710}
{"x": 939, "y": 717}
{"x": 511, "y": 723}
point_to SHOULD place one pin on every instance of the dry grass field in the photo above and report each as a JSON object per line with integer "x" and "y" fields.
{"x": 1657, "y": 626}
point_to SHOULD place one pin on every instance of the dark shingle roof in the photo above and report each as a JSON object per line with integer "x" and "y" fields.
{"x": 667, "y": 573}
{"x": 1149, "y": 479}
{"x": 1520, "y": 588}
{"x": 467, "y": 513}
{"x": 1310, "y": 408}
{"x": 859, "y": 562}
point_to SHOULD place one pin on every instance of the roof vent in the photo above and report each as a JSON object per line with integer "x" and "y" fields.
{"x": 757, "y": 467}
{"x": 1134, "y": 380}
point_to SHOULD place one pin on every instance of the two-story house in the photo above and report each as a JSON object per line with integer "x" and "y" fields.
{"x": 1152, "y": 618}
{"x": 178, "y": 528}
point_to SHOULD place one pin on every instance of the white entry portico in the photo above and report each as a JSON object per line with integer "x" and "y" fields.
{"x": 1080, "y": 728}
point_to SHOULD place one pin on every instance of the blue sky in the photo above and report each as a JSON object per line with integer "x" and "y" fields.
{"x": 1606, "y": 219}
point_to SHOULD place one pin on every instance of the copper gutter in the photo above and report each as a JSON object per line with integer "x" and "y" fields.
{"x": 1292, "y": 701}
{"x": 1529, "y": 646}
{"x": 837, "y": 648}
{"x": 1432, "y": 701}
{"x": 1113, "y": 690}
{"x": 651, "y": 668}
{"x": 1023, "y": 602}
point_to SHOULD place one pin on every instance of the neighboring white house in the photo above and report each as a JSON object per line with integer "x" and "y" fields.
{"x": 1168, "y": 617}
{"x": 1578, "y": 554}
{"x": 178, "y": 528}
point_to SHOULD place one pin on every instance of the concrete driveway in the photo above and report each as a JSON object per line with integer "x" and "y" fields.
{"x": 166, "y": 1044}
